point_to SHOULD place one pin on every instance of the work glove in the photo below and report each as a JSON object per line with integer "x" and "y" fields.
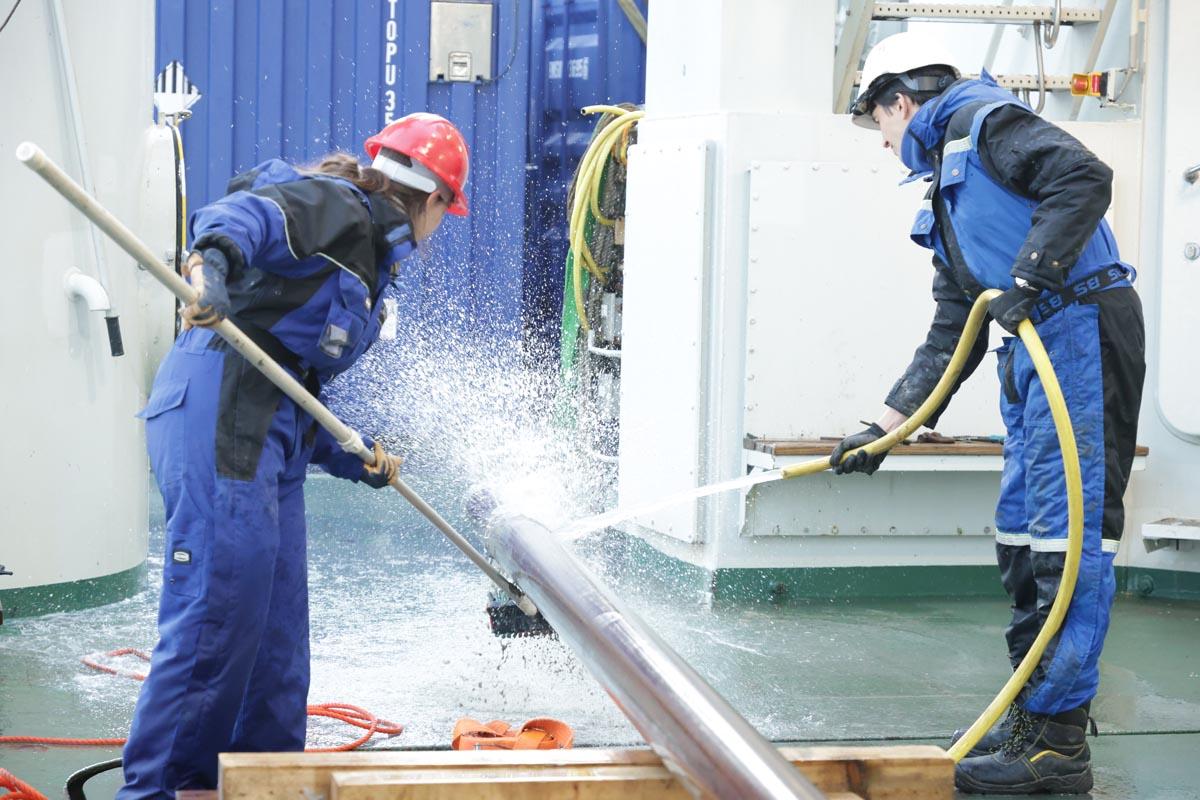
{"x": 207, "y": 273}
{"x": 383, "y": 471}
{"x": 859, "y": 462}
{"x": 1014, "y": 306}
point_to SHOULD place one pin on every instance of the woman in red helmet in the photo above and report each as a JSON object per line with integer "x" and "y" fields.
{"x": 299, "y": 259}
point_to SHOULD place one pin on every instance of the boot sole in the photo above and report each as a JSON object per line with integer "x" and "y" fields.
{"x": 1051, "y": 784}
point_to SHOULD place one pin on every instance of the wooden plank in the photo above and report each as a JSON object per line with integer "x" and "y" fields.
{"x": 823, "y": 447}
{"x": 246, "y": 776}
{"x": 583, "y": 783}
{"x": 904, "y": 772}
{"x": 875, "y": 773}
{"x": 609, "y": 783}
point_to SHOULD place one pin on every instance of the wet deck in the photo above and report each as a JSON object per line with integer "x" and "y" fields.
{"x": 398, "y": 628}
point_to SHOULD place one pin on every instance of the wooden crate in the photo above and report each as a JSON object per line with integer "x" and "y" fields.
{"x": 907, "y": 772}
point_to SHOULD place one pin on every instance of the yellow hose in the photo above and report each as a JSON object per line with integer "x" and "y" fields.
{"x": 587, "y": 190}
{"x": 1074, "y": 481}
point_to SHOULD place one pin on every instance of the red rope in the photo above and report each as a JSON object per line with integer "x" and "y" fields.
{"x": 17, "y": 788}
{"x": 351, "y": 715}
{"x": 91, "y": 661}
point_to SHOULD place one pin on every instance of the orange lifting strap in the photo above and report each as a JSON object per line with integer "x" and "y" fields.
{"x": 536, "y": 734}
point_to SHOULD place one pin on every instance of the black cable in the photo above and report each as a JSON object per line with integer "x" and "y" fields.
{"x": 4, "y": 24}
{"x": 75, "y": 782}
{"x": 512, "y": 53}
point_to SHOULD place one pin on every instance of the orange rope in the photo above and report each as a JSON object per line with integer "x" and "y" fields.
{"x": 351, "y": 715}
{"x": 17, "y": 789}
{"x": 91, "y": 661}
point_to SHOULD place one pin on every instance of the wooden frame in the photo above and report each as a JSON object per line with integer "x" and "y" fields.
{"x": 906, "y": 772}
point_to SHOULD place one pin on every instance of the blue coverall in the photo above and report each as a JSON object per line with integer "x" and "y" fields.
{"x": 310, "y": 257}
{"x": 1030, "y": 205}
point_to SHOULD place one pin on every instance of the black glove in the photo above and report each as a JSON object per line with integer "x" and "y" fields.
{"x": 861, "y": 461}
{"x": 383, "y": 471}
{"x": 1014, "y": 306}
{"x": 208, "y": 278}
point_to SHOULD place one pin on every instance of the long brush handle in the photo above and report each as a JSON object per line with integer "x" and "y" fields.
{"x": 347, "y": 438}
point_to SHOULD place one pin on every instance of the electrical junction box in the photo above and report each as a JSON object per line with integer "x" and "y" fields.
{"x": 460, "y": 40}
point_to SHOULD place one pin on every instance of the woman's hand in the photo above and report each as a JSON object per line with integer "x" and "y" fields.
{"x": 206, "y": 272}
{"x": 383, "y": 471}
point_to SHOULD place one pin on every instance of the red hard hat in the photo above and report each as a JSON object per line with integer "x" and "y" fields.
{"x": 433, "y": 142}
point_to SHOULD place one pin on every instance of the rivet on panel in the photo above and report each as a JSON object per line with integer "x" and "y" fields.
{"x": 875, "y": 169}
{"x": 845, "y": 168}
{"x": 753, "y": 259}
{"x": 816, "y": 167}
{"x": 753, "y": 322}
{"x": 786, "y": 167}
{"x": 754, "y": 197}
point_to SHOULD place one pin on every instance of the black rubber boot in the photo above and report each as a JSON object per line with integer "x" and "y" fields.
{"x": 1043, "y": 754}
{"x": 991, "y": 741}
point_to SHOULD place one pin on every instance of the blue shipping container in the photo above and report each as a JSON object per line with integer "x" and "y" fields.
{"x": 296, "y": 79}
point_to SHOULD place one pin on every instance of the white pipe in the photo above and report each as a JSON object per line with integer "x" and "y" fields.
{"x": 71, "y": 90}
{"x": 88, "y": 289}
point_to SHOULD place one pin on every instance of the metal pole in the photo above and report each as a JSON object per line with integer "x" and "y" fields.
{"x": 347, "y": 438}
{"x": 713, "y": 750}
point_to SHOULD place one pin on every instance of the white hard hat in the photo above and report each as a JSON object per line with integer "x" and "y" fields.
{"x": 898, "y": 56}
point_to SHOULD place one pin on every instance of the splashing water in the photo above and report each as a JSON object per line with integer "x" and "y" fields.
{"x": 491, "y": 420}
{"x": 618, "y": 515}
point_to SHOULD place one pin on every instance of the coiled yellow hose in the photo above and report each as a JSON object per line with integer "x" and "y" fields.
{"x": 587, "y": 195}
{"x": 1074, "y": 481}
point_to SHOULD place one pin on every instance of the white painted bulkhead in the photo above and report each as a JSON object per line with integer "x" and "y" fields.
{"x": 74, "y": 473}
{"x": 813, "y": 298}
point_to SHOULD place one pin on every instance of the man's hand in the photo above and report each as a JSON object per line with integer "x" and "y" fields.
{"x": 861, "y": 461}
{"x": 383, "y": 471}
{"x": 1014, "y": 306}
{"x": 207, "y": 273}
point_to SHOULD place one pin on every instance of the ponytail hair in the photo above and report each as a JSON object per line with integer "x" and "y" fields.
{"x": 345, "y": 166}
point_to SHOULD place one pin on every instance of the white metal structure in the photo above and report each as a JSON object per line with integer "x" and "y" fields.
{"x": 73, "y": 478}
{"x": 805, "y": 299}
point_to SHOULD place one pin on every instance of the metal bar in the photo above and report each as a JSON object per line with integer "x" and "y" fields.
{"x": 1056, "y": 83}
{"x": 849, "y": 51}
{"x": 347, "y": 438}
{"x": 975, "y": 12}
{"x": 1094, "y": 53}
{"x": 712, "y": 749}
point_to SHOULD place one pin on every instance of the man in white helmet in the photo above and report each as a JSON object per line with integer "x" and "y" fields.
{"x": 1016, "y": 203}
